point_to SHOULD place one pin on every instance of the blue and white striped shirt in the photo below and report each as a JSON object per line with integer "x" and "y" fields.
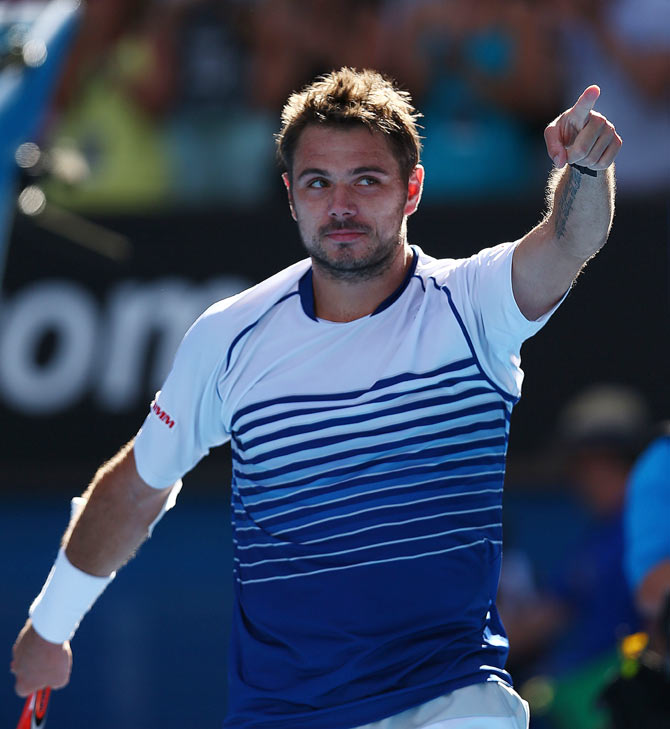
{"x": 368, "y": 466}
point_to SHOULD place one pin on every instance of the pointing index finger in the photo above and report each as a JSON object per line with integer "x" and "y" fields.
{"x": 584, "y": 104}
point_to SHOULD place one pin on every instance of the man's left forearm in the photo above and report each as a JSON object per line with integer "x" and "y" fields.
{"x": 581, "y": 210}
{"x": 580, "y": 200}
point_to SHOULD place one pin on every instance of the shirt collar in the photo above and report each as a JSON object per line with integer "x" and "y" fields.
{"x": 306, "y": 290}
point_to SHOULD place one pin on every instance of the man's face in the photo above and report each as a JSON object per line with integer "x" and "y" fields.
{"x": 349, "y": 200}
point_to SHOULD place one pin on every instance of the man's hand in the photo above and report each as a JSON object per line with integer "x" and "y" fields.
{"x": 38, "y": 663}
{"x": 582, "y": 136}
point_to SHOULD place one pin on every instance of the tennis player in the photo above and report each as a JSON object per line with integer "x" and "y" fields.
{"x": 367, "y": 393}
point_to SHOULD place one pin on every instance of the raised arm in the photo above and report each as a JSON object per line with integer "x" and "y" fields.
{"x": 580, "y": 202}
{"x": 119, "y": 511}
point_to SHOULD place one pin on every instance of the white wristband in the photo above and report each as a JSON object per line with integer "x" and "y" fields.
{"x": 69, "y": 593}
{"x": 66, "y": 597}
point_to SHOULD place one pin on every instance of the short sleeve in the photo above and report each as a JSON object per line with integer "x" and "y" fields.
{"x": 186, "y": 418}
{"x": 482, "y": 291}
{"x": 647, "y": 512}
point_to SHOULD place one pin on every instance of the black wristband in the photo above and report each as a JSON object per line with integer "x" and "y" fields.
{"x": 584, "y": 170}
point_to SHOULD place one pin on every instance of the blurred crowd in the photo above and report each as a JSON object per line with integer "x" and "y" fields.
{"x": 586, "y": 625}
{"x": 178, "y": 100}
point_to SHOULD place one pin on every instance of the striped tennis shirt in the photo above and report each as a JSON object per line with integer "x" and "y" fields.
{"x": 368, "y": 465}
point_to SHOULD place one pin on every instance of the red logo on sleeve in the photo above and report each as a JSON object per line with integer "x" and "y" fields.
{"x": 162, "y": 415}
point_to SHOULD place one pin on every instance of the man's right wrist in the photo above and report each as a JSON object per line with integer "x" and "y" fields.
{"x": 66, "y": 597}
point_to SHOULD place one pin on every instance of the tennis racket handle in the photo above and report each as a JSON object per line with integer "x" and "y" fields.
{"x": 34, "y": 714}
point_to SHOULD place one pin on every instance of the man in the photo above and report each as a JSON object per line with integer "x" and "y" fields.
{"x": 640, "y": 698}
{"x": 570, "y": 630}
{"x": 647, "y": 558}
{"x": 367, "y": 395}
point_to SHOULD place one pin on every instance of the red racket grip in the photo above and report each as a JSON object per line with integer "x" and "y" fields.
{"x": 34, "y": 712}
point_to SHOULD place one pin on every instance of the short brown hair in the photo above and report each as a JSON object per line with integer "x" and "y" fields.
{"x": 348, "y": 97}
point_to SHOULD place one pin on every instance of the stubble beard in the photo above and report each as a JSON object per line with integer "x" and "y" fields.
{"x": 351, "y": 267}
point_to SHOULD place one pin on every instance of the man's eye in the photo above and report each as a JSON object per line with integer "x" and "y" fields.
{"x": 368, "y": 181}
{"x": 317, "y": 183}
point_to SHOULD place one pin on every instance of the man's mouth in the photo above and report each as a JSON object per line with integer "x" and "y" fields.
{"x": 344, "y": 236}
{"x": 344, "y": 233}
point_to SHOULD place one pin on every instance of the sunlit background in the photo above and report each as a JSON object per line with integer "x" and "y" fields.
{"x": 138, "y": 184}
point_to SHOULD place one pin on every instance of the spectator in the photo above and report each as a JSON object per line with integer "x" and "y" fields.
{"x": 214, "y": 126}
{"x": 116, "y": 89}
{"x": 484, "y": 71}
{"x": 296, "y": 40}
{"x": 624, "y": 45}
{"x": 640, "y": 698}
{"x": 646, "y": 528}
{"x": 572, "y": 630}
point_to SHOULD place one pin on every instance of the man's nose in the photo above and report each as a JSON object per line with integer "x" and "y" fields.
{"x": 342, "y": 204}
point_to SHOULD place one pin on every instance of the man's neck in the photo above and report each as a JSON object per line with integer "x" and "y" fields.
{"x": 343, "y": 300}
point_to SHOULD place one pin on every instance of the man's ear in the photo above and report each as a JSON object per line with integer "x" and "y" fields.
{"x": 414, "y": 189}
{"x": 287, "y": 185}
